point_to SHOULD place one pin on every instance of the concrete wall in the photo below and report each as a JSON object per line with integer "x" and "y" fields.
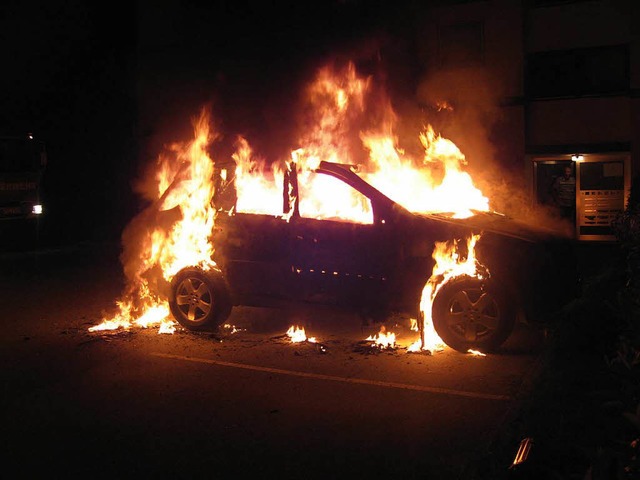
{"x": 599, "y": 120}
{"x": 578, "y": 25}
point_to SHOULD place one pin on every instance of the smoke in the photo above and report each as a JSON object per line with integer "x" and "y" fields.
{"x": 466, "y": 105}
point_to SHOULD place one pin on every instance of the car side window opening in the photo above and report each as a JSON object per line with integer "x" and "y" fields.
{"x": 311, "y": 195}
{"x": 328, "y": 198}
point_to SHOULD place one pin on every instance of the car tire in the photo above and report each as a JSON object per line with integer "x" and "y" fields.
{"x": 199, "y": 299}
{"x": 470, "y": 313}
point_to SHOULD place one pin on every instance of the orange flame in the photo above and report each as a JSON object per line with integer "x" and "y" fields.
{"x": 449, "y": 265}
{"x": 476, "y": 353}
{"x": 184, "y": 188}
{"x": 297, "y": 335}
{"x": 231, "y": 329}
{"x": 444, "y": 105}
{"x": 259, "y": 188}
{"x": 383, "y": 339}
{"x": 337, "y": 104}
{"x": 187, "y": 243}
{"x": 417, "y": 188}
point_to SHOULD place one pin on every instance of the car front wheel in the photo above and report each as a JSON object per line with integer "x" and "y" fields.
{"x": 469, "y": 313}
{"x": 199, "y": 299}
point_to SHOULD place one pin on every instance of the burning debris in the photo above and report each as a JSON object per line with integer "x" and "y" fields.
{"x": 167, "y": 327}
{"x": 383, "y": 339}
{"x": 231, "y": 329}
{"x": 297, "y": 335}
{"x": 476, "y": 353}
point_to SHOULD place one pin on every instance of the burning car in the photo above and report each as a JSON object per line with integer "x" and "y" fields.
{"x": 349, "y": 217}
{"x": 376, "y": 267}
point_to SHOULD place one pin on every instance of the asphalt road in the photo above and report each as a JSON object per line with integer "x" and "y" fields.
{"x": 231, "y": 405}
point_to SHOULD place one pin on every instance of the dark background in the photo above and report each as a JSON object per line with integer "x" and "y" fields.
{"x": 105, "y": 85}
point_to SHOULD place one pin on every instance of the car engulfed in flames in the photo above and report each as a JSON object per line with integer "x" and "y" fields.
{"x": 373, "y": 269}
{"x": 392, "y": 234}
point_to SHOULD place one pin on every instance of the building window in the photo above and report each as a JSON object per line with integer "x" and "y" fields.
{"x": 461, "y": 45}
{"x": 579, "y": 72}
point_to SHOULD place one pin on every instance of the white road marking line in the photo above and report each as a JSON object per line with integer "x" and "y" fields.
{"x": 319, "y": 376}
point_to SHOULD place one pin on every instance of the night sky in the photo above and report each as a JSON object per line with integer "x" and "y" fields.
{"x": 77, "y": 74}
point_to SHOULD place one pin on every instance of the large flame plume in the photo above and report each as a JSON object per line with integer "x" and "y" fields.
{"x": 337, "y": 105}
{"x": 172, "y": 233}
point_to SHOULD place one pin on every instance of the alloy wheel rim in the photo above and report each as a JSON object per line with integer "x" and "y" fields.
{"x": 194, "y": 299}
{"x": 473, "y": 315}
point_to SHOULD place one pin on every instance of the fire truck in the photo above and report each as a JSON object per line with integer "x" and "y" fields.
{"x": 22, "y": 163}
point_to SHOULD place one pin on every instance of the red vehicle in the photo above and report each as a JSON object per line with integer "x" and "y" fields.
{"x": 378, "y": 268}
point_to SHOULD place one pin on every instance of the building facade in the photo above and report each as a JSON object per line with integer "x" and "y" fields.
{"x": 566, "y": 77}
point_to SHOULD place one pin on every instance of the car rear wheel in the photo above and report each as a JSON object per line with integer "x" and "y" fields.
{"x": 199, "y": 300}
{"x": 469, "y": 313}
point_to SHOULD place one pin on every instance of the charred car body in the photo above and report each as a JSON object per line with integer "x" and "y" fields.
{"x": 377, "y": 268}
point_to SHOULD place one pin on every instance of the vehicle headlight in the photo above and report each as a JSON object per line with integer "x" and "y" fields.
{"x": 37, "y": 210}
